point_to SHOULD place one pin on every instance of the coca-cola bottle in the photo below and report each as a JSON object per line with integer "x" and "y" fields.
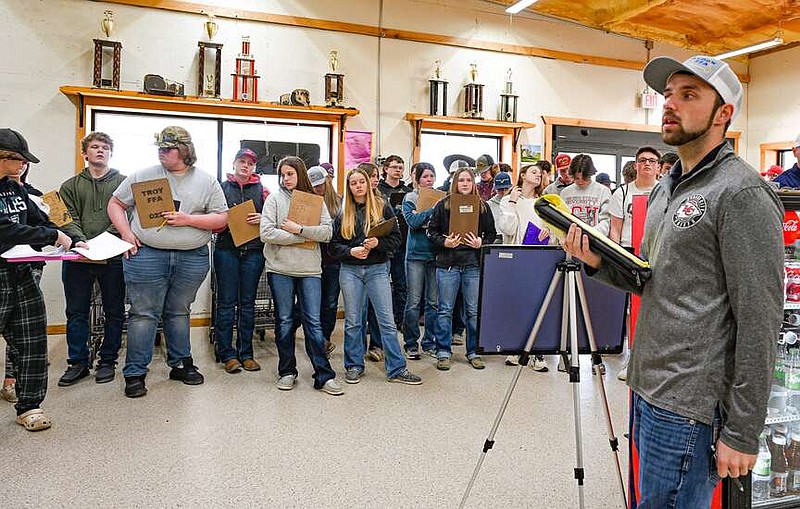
{"x": 793, "y": 461}
{"x": 778, "y": 469}
{"x": 761, "y": 469}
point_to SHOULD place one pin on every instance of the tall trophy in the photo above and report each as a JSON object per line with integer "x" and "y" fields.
{"x": 438, "y": 91}
{"x": 245, "y": 79}
{"x": 334, "y": 82}
{"x": 103, "y": 77}
{"x": 473, "y": 95}
{"x": 209, "y": 84}
{"x": 508, "y": 101}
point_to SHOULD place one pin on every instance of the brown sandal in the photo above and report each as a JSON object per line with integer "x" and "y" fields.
{"x": 34, "y": 420}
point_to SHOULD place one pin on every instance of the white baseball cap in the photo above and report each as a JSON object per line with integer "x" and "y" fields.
{"x": 715, "y": 72}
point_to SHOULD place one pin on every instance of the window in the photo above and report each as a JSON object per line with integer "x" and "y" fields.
{"x": 216, "y": 141}
{"x": 134, "y": 138}
{"x": 436, "y": 145}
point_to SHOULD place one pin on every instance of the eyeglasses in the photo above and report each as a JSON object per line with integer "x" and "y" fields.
{"x": 647, "y": 160}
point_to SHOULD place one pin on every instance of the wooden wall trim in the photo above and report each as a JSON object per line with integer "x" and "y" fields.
{"x": 375, "y": 31}
{"x": 769, "y": 152}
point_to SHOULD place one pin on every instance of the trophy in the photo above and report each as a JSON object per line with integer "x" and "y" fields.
{"x": 438, "y": 91}
{"x": 334, "y": 82}
{"x": 508, "y": 101}
{"x": 209, "y": 84}
{"x": 245, "y": 79}
{"x": 104, "y": 49}
{"x": 473, "y": 95}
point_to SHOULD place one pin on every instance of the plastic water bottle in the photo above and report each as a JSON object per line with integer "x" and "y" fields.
{"x": 762, "y": 468}
{"x": 779, "y": 374}
{"x": 778, "y": 470}
{"x": 793, "y": 461}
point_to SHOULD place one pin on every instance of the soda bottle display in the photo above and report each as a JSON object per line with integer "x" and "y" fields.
{"x": 762, "y": 468}
{"x": 778, "y": 471}
{"x": 793, "y": 461}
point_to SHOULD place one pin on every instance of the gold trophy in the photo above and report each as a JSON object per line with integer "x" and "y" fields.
{"x": 209, "y": 84}
{"x": 473, "y": 95}
{"x": 438, "y": 91}
{"x": 334, "y": 82}
{"x": 103, "y": 48}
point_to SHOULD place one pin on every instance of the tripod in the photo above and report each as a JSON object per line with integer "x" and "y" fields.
{"x": 573, "y": 289}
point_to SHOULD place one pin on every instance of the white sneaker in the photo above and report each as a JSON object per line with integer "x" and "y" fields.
{"x": 333, "y": 388}
{"x": 512, "y": 360}
{"x": 286, "y": 382}
{"x": 539, "y": 364}
{"x": 623, "y": 373}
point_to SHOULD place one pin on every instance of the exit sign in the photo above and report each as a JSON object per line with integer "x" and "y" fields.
{"x": 649, "y": 100}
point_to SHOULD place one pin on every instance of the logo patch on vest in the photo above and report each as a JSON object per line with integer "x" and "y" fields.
{"x": 690, "y": 211}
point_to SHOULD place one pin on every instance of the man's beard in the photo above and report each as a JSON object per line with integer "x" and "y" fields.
{"x": 682, "y": 137}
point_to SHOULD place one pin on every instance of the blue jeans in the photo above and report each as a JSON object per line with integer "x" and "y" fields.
{"x": 359, "y": 282}
{"x": 237, "y": 276}
{"x": 162, "y": 283}
{"x": 421, "y": 276}
{"x": 449, "y": 282}
{"x": 397, "y": 271}
{"x": 78, "y": 279}
{"x": 308, "y": 291}
{"x": 676, "y": 466}
{"x": 330, "y": 299}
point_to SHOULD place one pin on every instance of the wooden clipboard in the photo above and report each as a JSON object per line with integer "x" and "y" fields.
{"x": 428, "y": 198}
{"x": 59, "y": 215}
{"x": 383, "y": 228}
{"x": 305, "y": 209}
{"x": 465, "y": 212}
{"x": 241, "y": 231}
{"x": 152, "y": 197}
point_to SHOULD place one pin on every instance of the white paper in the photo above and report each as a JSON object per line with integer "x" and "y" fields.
{"x": 103, "y": 247}
{"x": 26, "y": 251}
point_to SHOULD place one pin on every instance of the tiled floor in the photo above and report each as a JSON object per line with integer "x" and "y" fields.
{"x": 238, "y": 441}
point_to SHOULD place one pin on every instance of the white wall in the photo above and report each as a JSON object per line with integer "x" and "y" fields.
{"x": 774, "y": 114}
{"x": 48, "y": 43}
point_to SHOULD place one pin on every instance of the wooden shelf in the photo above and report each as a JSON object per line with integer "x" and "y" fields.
{"x": 509, "y": 132}
{"x": 132, "y": 98}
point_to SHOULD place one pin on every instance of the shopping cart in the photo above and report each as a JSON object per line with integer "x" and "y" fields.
{"x": 264, "y": 315}
{"x": 97, "y": 323}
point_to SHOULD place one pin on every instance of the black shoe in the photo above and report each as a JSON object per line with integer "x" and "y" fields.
{"x": 187, "y": 374}
{"x": 73, "y": 374}
{"x": 104, "y": 373}
{"x": 134, "y": 386}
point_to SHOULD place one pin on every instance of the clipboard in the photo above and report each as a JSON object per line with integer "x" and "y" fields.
{"x": 241, "y": 231}
{"x": 305, "y": 209}
{"x": 383, "y": 228}
{"x": 59, "y": 215}
{"x": 152, "y": 197}
{"x": 428, "y": 198}
{"x": 464, "y": 214}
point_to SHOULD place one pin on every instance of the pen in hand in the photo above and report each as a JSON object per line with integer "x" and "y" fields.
{"x": 162, "y": 225}
{"x": 738, "y": 484}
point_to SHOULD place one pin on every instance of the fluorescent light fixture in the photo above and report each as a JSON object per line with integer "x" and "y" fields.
{"x": 522, "y": 4}
{"x": 776, "y": 41}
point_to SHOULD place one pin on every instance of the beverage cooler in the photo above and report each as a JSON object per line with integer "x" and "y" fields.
{"x": 775, "y": 481}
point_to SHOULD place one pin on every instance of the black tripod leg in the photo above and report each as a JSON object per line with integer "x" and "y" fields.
{"x": 523, "y": 360}
{"x": 597, "y": 361}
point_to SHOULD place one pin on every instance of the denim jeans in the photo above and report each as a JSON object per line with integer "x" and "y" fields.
{"x": 372, "y": 281}
{"x": 676, "y": 466}
{"x": 449, "y": 281}
{"x": 78, "y": 279}
{"x": 421, "y": 276}
{"x": 237, "y": 276}
{"x": 330, "y": 299}
{"x": 369, "y": 324}
{"x": 309, "y": 293}
{"x": 162, "y": 284}
{"x": 397, "y": 271}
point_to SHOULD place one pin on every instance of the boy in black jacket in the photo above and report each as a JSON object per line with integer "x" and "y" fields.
{"x": 23, "y": 320}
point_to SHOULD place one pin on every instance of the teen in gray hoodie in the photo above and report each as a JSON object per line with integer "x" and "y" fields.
{"x": 294, "y": 267}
